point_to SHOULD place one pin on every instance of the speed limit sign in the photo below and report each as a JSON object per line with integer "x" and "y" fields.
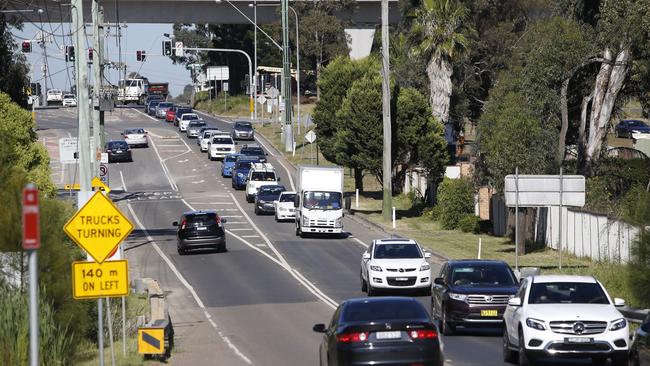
{"x": 103, "y": 173}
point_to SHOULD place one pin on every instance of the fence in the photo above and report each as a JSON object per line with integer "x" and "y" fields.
{"x": 586, "y": 234}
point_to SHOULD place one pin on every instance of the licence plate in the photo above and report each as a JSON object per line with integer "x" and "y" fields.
{"x": 201, "y": 228}
{"x": 489, "y": 313}
{"x": 578, "y": 340}
{"x": 118, "y": 151}
{"x": 401, "y": 279}
{"x": 388, "y": 335}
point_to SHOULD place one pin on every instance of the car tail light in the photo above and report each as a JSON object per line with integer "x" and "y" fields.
{"x": 423, "y": 334}
{"x": 352, "y": 337}
{"x": 218, "y": 220}
{"x": 183, "y": 223}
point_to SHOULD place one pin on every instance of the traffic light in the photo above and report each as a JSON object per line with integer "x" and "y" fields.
{"x": 27, "y": 46}
{"x": 143, "y": 56}
{"x": 167, "y": 48}
{"x": 90, "y": 54}
{"x": 69, "y": 53}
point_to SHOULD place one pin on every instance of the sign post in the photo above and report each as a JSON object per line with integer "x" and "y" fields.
{"x": 31, "y": 243}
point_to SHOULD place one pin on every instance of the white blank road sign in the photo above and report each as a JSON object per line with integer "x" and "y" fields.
{"x": 544, "y": 190}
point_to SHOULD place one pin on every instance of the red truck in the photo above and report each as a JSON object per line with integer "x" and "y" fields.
{"x": 158, "y": 89}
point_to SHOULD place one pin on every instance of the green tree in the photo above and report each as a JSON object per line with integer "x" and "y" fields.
{"x": 418, "y": 138}
{"x": 13, "y": 66}
{"x": 442, "y": 29}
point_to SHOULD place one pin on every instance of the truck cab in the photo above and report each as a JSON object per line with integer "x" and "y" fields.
{"x": 319, "y": 200}
{"x": 261, "y": 174}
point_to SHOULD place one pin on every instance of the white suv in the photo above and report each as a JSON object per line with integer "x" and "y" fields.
{"x": 395, "y": 264}
{"x": 185, "y": 120}
{"x": 261, "y": 174}
{"x": 220, "y": 145}
{"x": 564, "y": 316}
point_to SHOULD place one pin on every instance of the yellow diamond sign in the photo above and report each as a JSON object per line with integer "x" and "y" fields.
{"x": 98, "y": 227}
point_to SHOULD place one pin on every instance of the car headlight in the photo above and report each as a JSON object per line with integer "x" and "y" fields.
{"x": 425, "y": 267}
{"x": 535, "y": 324}
{"x": 338, "y": 222}
{"x": 261, "y": 202}
{"x": 240, "y": 175}
{"x": 618, "y": 324}
{"x": 375, "y": 268}
{"x": 457, "y": 297}
{"x": 305, "y": 221}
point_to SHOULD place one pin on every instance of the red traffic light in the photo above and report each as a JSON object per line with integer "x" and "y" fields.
{"x": 27, "y": 46}
{"x": 138, "y": 55}
{"x": 90, "y": 54}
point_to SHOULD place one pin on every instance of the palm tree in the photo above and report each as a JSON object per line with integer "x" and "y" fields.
{"x": 441, "y": 26}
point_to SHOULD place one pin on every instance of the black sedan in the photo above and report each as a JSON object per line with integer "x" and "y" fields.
{"x": 118, "y": 151}
{"x": 630, "y": 126}
{"x": 200, "y": 229}
{"x": 380, "y": 331}
{"x": 640, "y": 350}
{"x": 151, "y": 107}
{"x": 266, "y": 197}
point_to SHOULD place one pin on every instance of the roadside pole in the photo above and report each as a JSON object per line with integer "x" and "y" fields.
{"x": 517, "y": 219}
{"x": 109, "y": 323}
{"x": 559, "y": 245}
{"x": 385, "y": 83}
{"x": 31, "y": 243}
{"x": 286, "y": 79}
{"x": 97, "y": 82}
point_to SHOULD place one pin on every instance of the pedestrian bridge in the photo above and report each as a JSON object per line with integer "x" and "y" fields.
{"x": 367, "y": 13}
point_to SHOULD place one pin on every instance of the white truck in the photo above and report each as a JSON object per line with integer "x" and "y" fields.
{"x": 319, "y": 200}
{"x": 132, "y": 91}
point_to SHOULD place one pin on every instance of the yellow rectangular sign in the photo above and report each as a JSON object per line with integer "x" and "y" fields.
{"x": 92, "y": 280}
{"x": 151, "y": 341}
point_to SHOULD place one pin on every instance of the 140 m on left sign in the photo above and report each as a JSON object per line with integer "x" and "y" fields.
{"x": 92, "y": 280}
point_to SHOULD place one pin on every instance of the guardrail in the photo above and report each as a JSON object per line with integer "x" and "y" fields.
{"x": 158, "y": 316}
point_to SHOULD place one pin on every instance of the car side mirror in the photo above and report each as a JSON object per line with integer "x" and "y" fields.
{"x": 175, "y": 223}
{"x": 279, "y": 179}
{"x": 439, "y": 281}
{"x": 619, "y": 302}
{"x": 224, "y": 221}
{"x": 366, "y": 255}
{"x": 319, "y": 328}
{"x": 296, "y": 202}
{"x": 236, "y": 143}
{"x": 515, "y": 301}
{"x": 427, "y": 255}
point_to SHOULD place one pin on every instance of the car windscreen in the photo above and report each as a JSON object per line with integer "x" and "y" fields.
{"x": 271, "y": 190}
{"x": 252, "y": 151}
{"x": 263, "y": 176}
{"x": 204, "y": 218}
{"x": 154, "y": 103}
{"x": 181, "y": 111}
{"x": 222, "y": 140}
{"x": 117, "y": 145}
{"x": 69, "y": 96}
{"x": 397, "y": 251}
{"x": 243, "y": 124}
{"x": 567, "y": 293}
{"x": 288, "y": 197}
{"x": 133, "y": 131}
{"x": 230, "y": 158}
{"x": 322, "y": 200}
{"x": 385, "y": 310}
{"x": 244, "y": 165}
{"x": 165, "y": 105}
{"x": 243, "y": 128}
{"x": 187, "y": 117}
{"x": 196, "y": 124}
{"x": 482, "y": 275}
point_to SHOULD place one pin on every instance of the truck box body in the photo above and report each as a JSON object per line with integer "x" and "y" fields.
{"x": 319, "y": 199}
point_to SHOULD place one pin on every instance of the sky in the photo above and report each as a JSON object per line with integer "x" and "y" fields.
{"x": 146, "y": 37}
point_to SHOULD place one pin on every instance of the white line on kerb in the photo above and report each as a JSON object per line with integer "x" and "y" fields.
{"x": 188, "y": 287}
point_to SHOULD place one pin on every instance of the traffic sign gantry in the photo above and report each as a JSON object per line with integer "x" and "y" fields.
{"x": 98, "y": 227}
{"x": 91, "y": 280}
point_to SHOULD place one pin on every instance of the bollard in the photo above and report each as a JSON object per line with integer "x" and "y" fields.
{"x": 394, "y": 217}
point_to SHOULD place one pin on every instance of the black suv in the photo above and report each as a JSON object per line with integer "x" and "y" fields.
{"x": 472, "y": 293}
{"x": 200, "y": 229}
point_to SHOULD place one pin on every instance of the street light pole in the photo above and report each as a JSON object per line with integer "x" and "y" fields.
{"x": 286, "y": 80}
{"x": 255, "y": 56}
{"x": 386, "y": 165}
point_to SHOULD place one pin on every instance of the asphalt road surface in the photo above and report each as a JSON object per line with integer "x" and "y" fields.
{"x": 256, "y": 303}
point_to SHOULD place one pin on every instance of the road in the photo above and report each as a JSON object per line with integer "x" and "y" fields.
{"x": 256, "y": 303}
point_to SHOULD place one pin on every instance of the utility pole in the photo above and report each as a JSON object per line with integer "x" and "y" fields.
{"x": 255, "y": 59}
{"x": 44, "y": 68}
{"x": 97, "y": 83}
{"x": 286, "y": 78}
{"x": 387, "y": 166}
{"x": 100, "y": 55}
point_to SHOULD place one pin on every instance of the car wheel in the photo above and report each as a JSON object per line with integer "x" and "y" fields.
{"x": 257, "y": 211}
{"x": 509, "y": 355}
{"x": 181, "y": 251}
{"x": 364, "y": 284}
{"x": 447, "y": 329}
{"x": 524, "y": 357}
{"x": 370, "y": 290}
{"x": 297, "y": 229}
{"x": 276, "y": 217}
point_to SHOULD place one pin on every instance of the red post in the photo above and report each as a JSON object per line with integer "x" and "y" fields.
{"x": 31, "y": 229}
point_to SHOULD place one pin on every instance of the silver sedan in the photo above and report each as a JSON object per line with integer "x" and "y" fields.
{"x": 136, "y": 137}
{"x": 194, "y": 127}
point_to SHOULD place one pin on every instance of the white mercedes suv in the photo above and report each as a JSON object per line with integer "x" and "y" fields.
{"x": 395, "y": 264}
{"x": 564, "y": 316}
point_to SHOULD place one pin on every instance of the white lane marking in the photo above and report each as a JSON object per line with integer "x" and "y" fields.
{"x": 242, "y": 229}
{"x": 360, "y": 242}
{"x": 236, "y": 222}
{"x": 213, "y": 203}
{"x": 261, "y": 245}
{"x": 236, "y": 216}
{"x": 164, "y": 167}
{"x": 123, "y": 184}
{"x": 279, "y": 260}
{"x": 188, "y": 287}
{"x": 250, "y": 236}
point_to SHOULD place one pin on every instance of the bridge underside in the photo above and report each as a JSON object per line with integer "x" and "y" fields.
{"x": 366, "y": 14}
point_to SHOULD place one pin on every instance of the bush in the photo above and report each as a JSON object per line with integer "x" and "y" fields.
{"x": 455, "y": 201}
{"x": 637, "y": 210}
{"x": 470, "y": 224}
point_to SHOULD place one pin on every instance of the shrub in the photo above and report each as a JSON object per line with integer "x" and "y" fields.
{"x": 455, "y": 200}
{"x": 470, "y": 224}
{"x": 637, "y": 210}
